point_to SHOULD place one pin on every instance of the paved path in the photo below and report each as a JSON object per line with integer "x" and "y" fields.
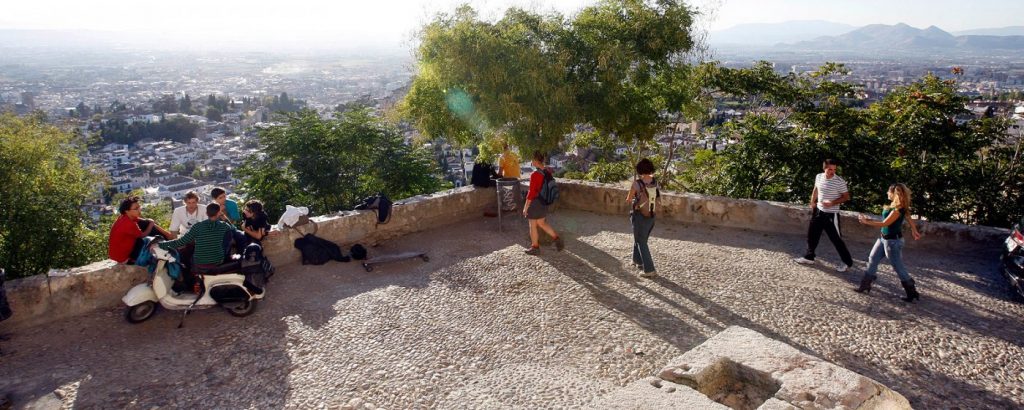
{"x": 483, "y": 326}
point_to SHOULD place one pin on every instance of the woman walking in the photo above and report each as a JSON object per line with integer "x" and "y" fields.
{"x": 643, "y": 195}
{"x": 535, "y": 210}
{"x": 891, "y": 241}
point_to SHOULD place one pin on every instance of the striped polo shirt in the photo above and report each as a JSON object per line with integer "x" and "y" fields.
{"x": 209, "y": 238}
{"x": 829, "y": 190}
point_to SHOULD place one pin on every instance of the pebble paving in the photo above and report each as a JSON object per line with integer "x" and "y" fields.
{"x": 481, "y": 325}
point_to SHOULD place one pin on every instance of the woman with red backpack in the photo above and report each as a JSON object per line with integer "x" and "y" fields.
{"x": 643, "y": 195}
{"x": 536, "y": 210}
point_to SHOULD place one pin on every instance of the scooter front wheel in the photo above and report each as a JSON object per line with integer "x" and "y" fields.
{"x": 242, "y": 309}
{"x": 139, "y": 313}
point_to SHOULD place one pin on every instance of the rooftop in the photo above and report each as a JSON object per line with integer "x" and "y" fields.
{"x": 481, "y": 325}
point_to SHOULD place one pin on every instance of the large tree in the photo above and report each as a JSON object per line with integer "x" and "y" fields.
{"x": 330, "y": 164}
{"x": 534, "y": 77}
{"x": 41, "y": 223}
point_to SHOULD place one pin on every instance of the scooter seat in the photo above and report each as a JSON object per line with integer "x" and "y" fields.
{"x": 227, "y": 267}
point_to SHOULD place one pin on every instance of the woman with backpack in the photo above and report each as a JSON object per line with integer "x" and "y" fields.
{"x": 535, "y": 209}
{"x": 643, "y": 196}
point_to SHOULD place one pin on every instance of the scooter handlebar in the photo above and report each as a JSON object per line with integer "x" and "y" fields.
{"x": 159, "y": 252}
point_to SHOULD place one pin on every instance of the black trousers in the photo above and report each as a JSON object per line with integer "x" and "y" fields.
{"x": 828, "y": 222}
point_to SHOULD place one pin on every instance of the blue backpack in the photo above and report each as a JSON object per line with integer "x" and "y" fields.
{"x": 549, "y": 189}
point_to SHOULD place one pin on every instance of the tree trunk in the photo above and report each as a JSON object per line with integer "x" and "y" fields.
{"x": 671, "y": 148}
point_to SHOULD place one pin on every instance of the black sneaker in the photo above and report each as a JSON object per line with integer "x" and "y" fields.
{"x": 533, "y": 251}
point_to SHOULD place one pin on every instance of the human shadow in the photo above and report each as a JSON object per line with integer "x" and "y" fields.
{"x": 712, "y": 315}
{"x": 958, "y": 313}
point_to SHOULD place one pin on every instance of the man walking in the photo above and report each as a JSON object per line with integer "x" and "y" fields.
{"x": 829, "y": 192}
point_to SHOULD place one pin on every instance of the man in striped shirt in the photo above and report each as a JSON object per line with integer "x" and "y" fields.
{"x": 830, "y": 190}
{"x": 210, "y": 239}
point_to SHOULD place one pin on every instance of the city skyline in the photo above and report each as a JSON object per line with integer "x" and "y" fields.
{"x": 391, "y": 24}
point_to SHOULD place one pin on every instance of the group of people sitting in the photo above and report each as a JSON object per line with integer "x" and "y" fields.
{"x": 204, "y": 239}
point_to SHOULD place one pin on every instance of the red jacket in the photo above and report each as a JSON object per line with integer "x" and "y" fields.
{"x": 536, "y": 181}
{"x": 123, "y": 234}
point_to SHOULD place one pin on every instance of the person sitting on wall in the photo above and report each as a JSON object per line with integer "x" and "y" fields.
{"x": 127, "y": 232}
{"x": 209, "y": 238}
{"x": 256, "y": 226}
{"x": 229, "y": 209}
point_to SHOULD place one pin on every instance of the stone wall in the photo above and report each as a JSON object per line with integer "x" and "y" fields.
{"x": 102, "y": 284}
{"x": 61, "y": 294}
{"x": 758, "y": 215}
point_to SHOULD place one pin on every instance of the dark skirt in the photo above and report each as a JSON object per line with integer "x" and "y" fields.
{"x": 537, "y": 210}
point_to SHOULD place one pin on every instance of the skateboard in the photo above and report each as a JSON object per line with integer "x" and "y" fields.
{"x": 377, "y": 260}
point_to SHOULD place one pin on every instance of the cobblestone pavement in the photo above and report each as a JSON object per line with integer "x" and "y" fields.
{"x": 483, "y": 326}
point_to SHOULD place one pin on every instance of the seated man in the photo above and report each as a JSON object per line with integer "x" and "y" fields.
{"x": 208, "y": 237}
{"x": 128, "y": 230}
{"x": 187, "y": 215}
{"x": 182, "y": 220}
{"x": 229, "y": 208}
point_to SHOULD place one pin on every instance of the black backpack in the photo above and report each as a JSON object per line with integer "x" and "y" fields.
{"x": 358, "y": 252}
{"x": 318, "y": 251}
{"x": 549, "y": 189}
{"x": 483, "y": 175}
{"x": 380, "y": 204}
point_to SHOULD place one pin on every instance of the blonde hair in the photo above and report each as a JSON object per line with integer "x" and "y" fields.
{"x": 901, "y": 196}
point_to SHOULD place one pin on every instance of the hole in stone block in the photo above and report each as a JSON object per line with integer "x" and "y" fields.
{"x": 736, "y": 386}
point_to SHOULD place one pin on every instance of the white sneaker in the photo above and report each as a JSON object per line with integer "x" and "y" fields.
{"x": 803, "y": 261}
{"x": 843, "y": 268}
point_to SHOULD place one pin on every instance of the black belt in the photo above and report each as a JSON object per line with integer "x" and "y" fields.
{"x": 891, "y": 236}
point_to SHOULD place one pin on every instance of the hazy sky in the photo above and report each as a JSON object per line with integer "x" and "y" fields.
{"x": 949, "y": 15}
{"x": 391, "y": 22}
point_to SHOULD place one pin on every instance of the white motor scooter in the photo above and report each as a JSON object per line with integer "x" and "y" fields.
{"x": 227, "y": 289}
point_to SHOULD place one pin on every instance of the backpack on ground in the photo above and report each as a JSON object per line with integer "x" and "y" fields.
{"x": 358, "y": 252}
{"x": 380, "y": 204}
{"x": 318, "y": 251}
{"x": 549, "y": 189}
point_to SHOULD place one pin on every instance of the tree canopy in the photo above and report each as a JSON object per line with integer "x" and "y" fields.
{"x": 534, "y": 77}
{"x": 960, "y": 171}
{"x": 329, "y": 165}
{"x": 41, "y": 223}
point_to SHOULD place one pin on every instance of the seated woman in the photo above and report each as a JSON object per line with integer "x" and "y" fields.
{"x": 255, "y": 225}
{"x": 128, "y": 230}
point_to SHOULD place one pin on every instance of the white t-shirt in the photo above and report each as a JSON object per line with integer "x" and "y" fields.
{"x": 182, "y": 221}
{"x": 829, "y": 189}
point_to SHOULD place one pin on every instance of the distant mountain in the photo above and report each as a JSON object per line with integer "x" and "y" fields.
{"x": 773, "y": 33}
{"x": 1002, "y": 31}
{"x": 904, "y": 37}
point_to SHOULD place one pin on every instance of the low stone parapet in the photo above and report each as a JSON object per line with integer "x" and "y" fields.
{"x": 101, "y": 285}
{"x": 419, "y": 213}
{"x": 754, "y": 215}
{"x": 67, "y": 293}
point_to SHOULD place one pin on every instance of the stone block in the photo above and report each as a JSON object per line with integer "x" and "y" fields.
{"x": 745, "y": 370}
